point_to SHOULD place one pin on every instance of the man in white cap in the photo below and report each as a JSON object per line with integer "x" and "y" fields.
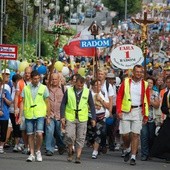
{"x": 5, "y": 76}
{"x": 7, "y": 85}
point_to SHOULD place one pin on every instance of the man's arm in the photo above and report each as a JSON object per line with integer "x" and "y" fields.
{"x": 47, "y": 102}
{"x": 62, "y": 110}
{"x": 16, "y": 109}
{"x": 20, "y": 113}
{"x": 110, "y": 104}
{"x": 92, "y": 106}
{"x": 16, "y": 97}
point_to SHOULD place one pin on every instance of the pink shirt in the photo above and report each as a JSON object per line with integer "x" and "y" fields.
{"x": 55, "y": 99}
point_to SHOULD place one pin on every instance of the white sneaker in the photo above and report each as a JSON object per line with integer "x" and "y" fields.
{"x": 1, "y": 150}
{"x": 117, "y": 147}
{"x": 94, "y": 154}
{"x": 17, "y": 148}
{"x": 38, "y": 156}
{"x": 56, "y": 148}
{"x": 31, "y": 158}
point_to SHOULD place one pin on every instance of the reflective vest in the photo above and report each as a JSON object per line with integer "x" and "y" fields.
{"x": 34, "y": 108}
{"x": 71, "y": 107}
{"x": 127, "y": 102}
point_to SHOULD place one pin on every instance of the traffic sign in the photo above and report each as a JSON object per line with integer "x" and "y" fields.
{"x": 95, "y": 43}
{"x": 126, "y": 56}
{"x": 8, "y": 52}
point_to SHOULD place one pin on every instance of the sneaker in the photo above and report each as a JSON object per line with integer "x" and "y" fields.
{"x": 31, "y": 158}
{"x": 104, "y": 150}
{"x": 94, "y": 156}
{"x": 167, "y": 160}
{"x": 127, "y": 156}
{"x": 132, "y": 161}
{"x": 7, "y": 145}
{"x": 70, "y": 157}
{"x": 117, "y": 147}
{"x": 26, "y": 151}
{"x": 17, "y": 148}
{"x": 56, "y": 148}
{"x": 123, "y": 154}
{"x": 49, "y": 153}
{"x": 144, "y": 158}
{"x": 38, "y": 156}
{"x": 77, "y": 160}
{"x": 1, "y": 150}
{"x": 61, "y": 150}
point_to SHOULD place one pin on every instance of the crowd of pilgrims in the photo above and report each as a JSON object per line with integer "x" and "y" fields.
{"x": 105, "y": 137}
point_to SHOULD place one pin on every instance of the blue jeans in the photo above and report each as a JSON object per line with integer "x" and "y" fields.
{"x": 147, "y": 138}
{"x": 53, "y": 131}
{"x": 34, "y": 125}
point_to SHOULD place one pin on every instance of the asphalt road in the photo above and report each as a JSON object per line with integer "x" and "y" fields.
{"x": 100, "y": 16}
{"x": 109, "y": 161}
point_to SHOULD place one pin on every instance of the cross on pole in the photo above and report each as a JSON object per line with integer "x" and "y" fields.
{"x": 144, "y": 23}
{"x": 94, "y": 28}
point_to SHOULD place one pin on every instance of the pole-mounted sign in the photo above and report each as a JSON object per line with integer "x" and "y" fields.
{"x": 126, "y": 56}
{"x": 8, "y": 52}
{"x": 95, "y": 43}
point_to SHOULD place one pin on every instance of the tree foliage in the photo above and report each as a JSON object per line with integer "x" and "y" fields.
{"x": 12, "y": 31}
{"x": 133, "y": 6}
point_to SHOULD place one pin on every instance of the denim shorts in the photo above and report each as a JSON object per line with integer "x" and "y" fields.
{"x": 34, "y": 125}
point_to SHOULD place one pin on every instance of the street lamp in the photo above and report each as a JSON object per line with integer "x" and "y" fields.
{"x": 70, "y": 6}
{"x": 38, "y": 3}
{"x": 2, "y": 21}
{"x": 125, "y": 10}
{"x": 3, "y": 8}
{"x": 23, "y": 23}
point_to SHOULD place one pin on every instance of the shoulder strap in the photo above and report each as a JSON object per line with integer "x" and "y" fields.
{"x": 107, "y": 86}
{"x": 62, "y": 88}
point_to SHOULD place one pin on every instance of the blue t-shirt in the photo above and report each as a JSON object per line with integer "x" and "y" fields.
{"x": 4, "y": 107}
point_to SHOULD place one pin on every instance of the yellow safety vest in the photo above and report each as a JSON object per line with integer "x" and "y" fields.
{"x": 71, "y": 106}
{"x": 34, "y": 108}
{"x": 127, "y": 102}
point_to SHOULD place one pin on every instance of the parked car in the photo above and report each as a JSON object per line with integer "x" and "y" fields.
{"x": 98, "y": 6}
{"x": 90, "y": 13}
{"x": 75, "y": 18}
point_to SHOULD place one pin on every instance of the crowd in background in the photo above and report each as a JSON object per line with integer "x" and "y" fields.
{"x": 52, "y": 118}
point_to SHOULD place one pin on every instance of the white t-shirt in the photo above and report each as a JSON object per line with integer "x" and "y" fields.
{"x": 115, "y": 95}
{"x": 107, "y": 94}
{"x": 135, "y": 92}
{"x": 7, "y": 87}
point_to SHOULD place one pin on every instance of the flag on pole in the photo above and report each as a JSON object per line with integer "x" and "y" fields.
{"x": 73, "y": 47}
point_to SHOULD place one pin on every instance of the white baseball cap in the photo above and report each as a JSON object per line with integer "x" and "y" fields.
{"x": 110, "y": 75}
{"x": 7, "y": 71}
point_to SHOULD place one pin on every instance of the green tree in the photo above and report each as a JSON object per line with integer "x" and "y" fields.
{"x": 133, "y": 6}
